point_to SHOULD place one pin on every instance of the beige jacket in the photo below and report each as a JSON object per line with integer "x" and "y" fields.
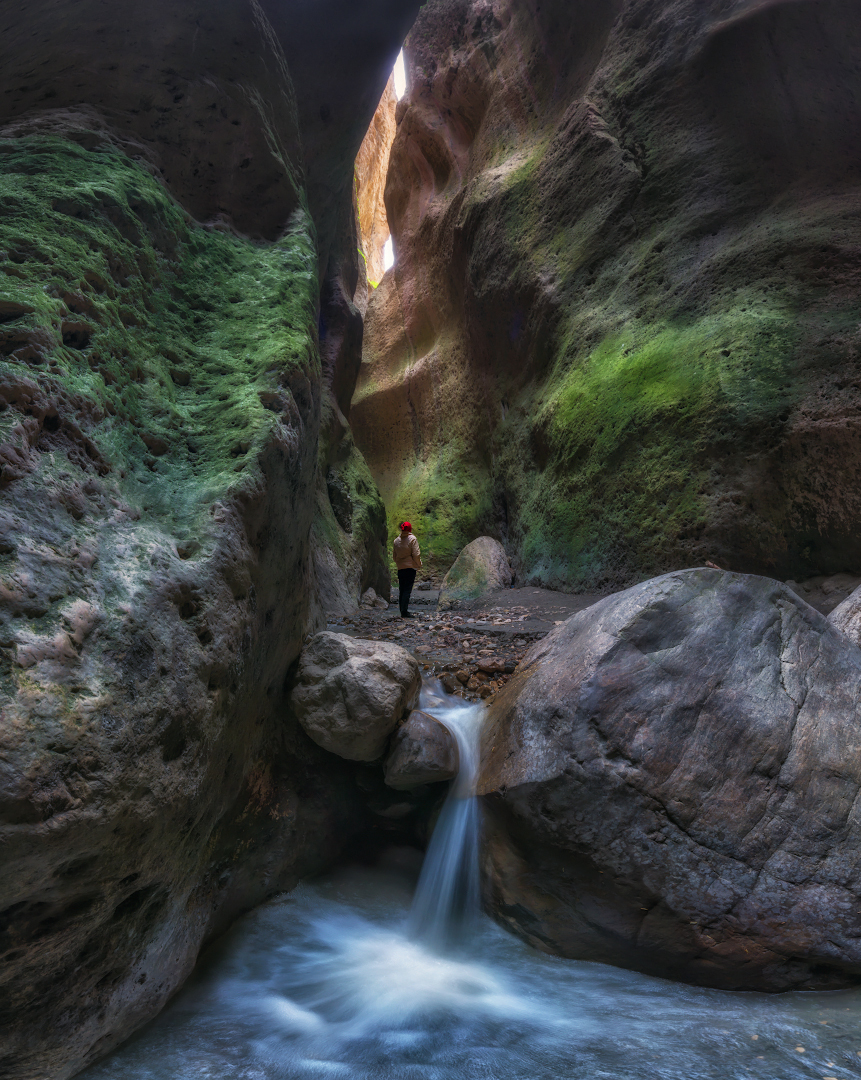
{"x": 405, "y": 552}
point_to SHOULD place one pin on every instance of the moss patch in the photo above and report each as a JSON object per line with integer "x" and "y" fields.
{"x": 448, "y": 501}
{"x": 627, "y": 439}
{"x": 176, "y": 334}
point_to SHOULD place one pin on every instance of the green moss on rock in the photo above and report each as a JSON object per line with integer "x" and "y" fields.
{"x": 181, "y": 338}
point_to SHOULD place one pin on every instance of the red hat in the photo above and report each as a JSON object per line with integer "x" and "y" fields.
{"x": 405, "y": 525}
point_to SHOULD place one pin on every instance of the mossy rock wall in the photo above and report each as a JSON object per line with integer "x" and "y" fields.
{"x": 175, "y": 211}
{"x": 621, "y": 334}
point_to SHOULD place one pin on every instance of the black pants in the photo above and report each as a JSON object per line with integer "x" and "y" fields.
{"x": 405, "y": 587}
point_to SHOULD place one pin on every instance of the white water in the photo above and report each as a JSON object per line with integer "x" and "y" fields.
{"x": 345, "y": 979}
{"x": 447, "y": 902}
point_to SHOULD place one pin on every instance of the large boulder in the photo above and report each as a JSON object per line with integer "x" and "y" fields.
{"x": 423, "y": 752}
{"x": 350, "y": 694}
{"x": 481, "y": 568}
{"x": 672, "y": 779}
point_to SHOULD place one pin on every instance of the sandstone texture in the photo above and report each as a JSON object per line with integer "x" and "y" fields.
{"x": 176, "y": 331}
{"x": 622, "y": 329}
{"x": 372, "y": 166}
{"x": 672, "y": 777}
{"x": 423, "y": 752}
{"x": 350, "y": 694}
{"x": 481, "y": 568}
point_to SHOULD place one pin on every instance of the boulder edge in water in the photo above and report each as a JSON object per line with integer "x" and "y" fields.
{"x": 672, "y": 781}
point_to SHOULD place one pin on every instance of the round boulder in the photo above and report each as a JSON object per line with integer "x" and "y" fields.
{"x": 481, "y": 568}
{"x": 672, "y": 778}
{"x": 423, "y": 752}
{"x": 350, "y": 694}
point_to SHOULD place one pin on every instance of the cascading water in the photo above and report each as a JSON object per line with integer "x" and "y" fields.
{"x": 342, "y": 978}
{"x": 448, "y": 895}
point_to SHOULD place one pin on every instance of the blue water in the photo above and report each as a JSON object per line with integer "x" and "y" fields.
{"x": 349, "y": 978}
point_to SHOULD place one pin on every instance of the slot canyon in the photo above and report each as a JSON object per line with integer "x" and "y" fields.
{"x": 573, "y": 289}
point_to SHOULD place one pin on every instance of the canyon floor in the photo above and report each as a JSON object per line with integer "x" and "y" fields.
{"x": 476, "y": 649}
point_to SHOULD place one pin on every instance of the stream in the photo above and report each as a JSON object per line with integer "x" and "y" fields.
{"x": 365, "y": 974}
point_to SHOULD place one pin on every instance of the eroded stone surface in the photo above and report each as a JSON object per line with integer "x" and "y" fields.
{"x": 672, "y": 777}
{"x": 423, "y": 752}
{"x": 350, "y": 694}
{"x": 169, "y": 384}
{"x": 481, "y": 568}
{"x": 622, "y": 330}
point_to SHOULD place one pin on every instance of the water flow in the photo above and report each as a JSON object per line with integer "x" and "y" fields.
{"x": 448, "y": 896}
{"x": 342, "y": 979}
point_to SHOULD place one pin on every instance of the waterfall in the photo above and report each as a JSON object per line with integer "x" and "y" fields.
{"x": 448, "y": 896}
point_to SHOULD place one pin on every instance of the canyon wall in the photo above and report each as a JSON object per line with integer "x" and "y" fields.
{"x": 622, "y": 331}
{"x": 372, "y": 166}
{"x": 180, "y": 497}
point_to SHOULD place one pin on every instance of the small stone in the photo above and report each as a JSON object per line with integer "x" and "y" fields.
{"x": 489, "y": 665}
{"x": 474, "y": 683}
{"x": 423, "y": 648}
{"x": 450, "y": 683}
{"x": 462, "y": 677}
{"x": 485, "y": 691}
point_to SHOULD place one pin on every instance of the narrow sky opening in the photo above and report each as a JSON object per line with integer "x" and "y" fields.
{"x": 388, "y": 254}
{"x": 400, "y": 76}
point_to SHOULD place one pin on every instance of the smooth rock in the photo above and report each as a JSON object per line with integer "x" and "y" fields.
{"x": 672, "y": 777}
{"x": 371, "y": 600}
{"x": 423, "y": 752}
{"x": 372, "y": 164}
{"x": 481, "y": 568}
{"x": 350, "y": 694}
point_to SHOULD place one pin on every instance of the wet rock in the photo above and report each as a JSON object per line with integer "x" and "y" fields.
{"x": 462, "y": 676}
{"x": 350, "y": 694}
{"x": 490, "y": 666}
{"x": 672, "y": 778}
{"x": 450, "y": 683}
{"x": 481, "y": 568}
{"x": 423, "y": 752}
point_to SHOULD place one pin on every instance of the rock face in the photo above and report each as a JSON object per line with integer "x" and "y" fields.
{"x": 172, "y": 201}
{"x": 372, "y": 165}
{"x": 423, "y": 752}
{"x": 350, "y": 694}
{"x": 846, "y": 617}
{"x": 672, "y": 777}
{"x": 482, "y": 567}
{"x": 622, "y": 329}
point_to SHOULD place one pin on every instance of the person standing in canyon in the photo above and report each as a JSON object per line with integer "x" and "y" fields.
{"x": 408, "y": 559}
